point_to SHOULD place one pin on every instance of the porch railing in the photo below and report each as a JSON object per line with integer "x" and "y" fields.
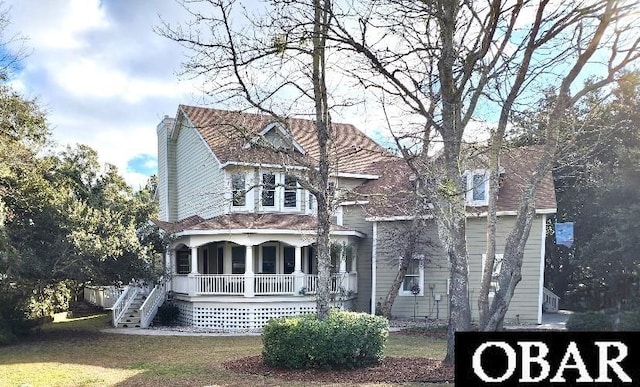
{"x": 336, "y": 284}
{"x": 120, "y": 307}
{"x": 273, "y": 284}
{"x": 150, "y": 306}
{"x": 224, "y": 284}
{"x": 104, "y": 296}
{"x": 264, "y": 284}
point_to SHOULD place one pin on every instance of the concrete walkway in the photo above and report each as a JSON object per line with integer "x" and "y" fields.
{"x": 550, "y": 321}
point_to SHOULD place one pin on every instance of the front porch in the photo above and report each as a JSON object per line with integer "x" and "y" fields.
{"x": 240, "y": 280}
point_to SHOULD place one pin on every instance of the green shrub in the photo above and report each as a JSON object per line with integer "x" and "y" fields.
{"x": 589, "y": 321}
{"x": 168, "y": 314}
{"x": 342, "y": 340}
{"x": 629, "y": 321}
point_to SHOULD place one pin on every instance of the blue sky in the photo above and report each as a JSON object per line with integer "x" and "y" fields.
{"x": 101, "y": 73}
{"x": 106, "y": 79}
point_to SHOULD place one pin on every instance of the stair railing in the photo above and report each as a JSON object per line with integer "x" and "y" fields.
{"x": 120, "y": 307}
{"x": 150, "y": 306}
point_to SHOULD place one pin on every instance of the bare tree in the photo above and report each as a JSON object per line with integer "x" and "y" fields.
{"x": 452, "y": 66}
{"x": 273, "y": 63}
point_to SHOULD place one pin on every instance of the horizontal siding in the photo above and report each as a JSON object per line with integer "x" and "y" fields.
{"x": 390, "y": 246}
{"x": 353, "y": 217}
{"x": 524, "y": 305}
{"x": 199, "y": 182}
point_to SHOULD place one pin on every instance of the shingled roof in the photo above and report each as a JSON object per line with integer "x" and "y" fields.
{"x": 391, "y": 194}
{"x": 227, "y": 133}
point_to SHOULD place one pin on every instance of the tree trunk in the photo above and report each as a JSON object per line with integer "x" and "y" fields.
{"x": 492, "y": 219}
{"x": 410, "y": 241}
{"x": 323, "y": 126}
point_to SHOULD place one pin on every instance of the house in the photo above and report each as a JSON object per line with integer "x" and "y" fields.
{"x": 243, "y": 227}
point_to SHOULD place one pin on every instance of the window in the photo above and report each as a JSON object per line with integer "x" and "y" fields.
{"x": 497, "y": 266}
{"x": 331, "y": 190}
{"x": 238, "y": 190}
{"x": 268, "y": 190}
{"x": 289, "y": 259}
{"x": 414, "y": 277}
{"x": 237, "y": 259}
{"x": 479, "y": 187}
{"x": 290, "y": 192}
{"x": 476, "y": 185}
{"x": 183, "y": 258}
{"x": 269, "y": 259}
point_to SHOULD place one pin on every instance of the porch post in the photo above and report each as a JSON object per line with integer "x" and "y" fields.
{"x": 343, "y": 261}
{"x": 194, "y": 271}
{"x": 194, "y": 260}
{"x": 344, "y": 276}
{"x": 249, "y": 275}
{"x": 298, "y": 275}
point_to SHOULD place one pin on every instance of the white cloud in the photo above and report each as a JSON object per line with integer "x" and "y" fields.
{"x": 104, "y": 77}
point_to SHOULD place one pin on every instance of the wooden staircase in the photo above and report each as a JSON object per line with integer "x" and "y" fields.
{"x": 131, "y": 318}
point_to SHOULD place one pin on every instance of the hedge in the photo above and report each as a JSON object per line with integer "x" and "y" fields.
{"x": 342, "y": 340}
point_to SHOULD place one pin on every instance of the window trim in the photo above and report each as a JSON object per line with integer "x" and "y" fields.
{"x": 405, "y": 293}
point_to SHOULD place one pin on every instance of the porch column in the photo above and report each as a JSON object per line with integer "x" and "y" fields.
{"x": 170, "y": 267}
{"x": 249, "y": 275}
{"x": 343, "y": 261}
{"x": 298, "y": 275}
{"x": 194, "y": 271}
{"x": 194, "y": 260}
{"x": 342, "y": 271}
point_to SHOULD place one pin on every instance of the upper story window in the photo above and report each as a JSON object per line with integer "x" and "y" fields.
{"x": 290, "y": 192}
{"x": 268, "y": 190}
{"x": 238, "y": 190}
{"x": 476, "y": 184}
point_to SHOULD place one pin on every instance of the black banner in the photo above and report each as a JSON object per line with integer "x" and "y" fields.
{"x": 539, "y": 358}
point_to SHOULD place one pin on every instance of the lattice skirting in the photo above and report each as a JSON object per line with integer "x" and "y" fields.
{"x": 229, "y": 316}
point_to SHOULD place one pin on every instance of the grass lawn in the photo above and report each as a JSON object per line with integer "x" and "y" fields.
{"x": 75, "y": 353}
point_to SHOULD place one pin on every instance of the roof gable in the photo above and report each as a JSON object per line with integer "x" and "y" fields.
{"x": 228, "y": 132}
{"x": 278, "y": 137}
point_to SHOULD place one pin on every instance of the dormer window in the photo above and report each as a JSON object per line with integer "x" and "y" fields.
{"x": 476, "y": 184}
{"x": 276, "y": 136}
{"x": 238, "y": 190}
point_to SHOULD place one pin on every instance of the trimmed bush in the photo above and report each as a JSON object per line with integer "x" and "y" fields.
{"x": 589, "y": 321}
{"x": 342, "y": 340}
{"x": 168, "y": 314}
{"x": 629, "y": 321}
